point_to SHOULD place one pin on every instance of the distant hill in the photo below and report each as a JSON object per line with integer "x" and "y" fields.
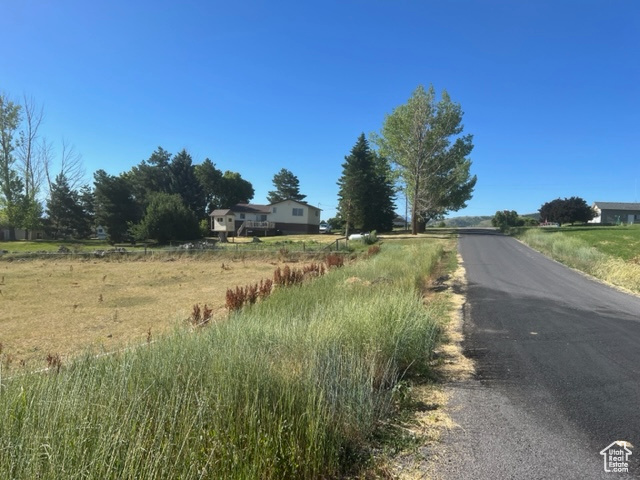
{"x": 483, "y": 221}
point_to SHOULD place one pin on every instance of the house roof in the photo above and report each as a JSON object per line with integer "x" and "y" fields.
{"x": 296, "y": 201}
{"x": 617, "y": 206}
{"x": 255, "y": 208}
{"x": 250, "y": 208}
{"x": 221, "y": 212}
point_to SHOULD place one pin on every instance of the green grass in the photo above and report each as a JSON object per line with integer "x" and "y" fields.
{"x": 618, "y": 241}
{"x": 609, "y": 253}
{"x": 293, "y": 387}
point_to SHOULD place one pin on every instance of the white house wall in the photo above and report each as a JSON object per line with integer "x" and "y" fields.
{"x": 284, "y": 213}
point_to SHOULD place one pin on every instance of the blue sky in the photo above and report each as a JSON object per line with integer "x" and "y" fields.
{"x": 550, "y": 89}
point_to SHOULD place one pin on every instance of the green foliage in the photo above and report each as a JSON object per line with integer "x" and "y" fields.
{"x": 167, "y": 218}
{"x": 66, "y": 211}
{"x": 287, "y": 187}
{"x": 204, "y": 228}
{"x": 506, "y": 219}
{"x": 567, "y": 210}
{"x": 234, "y": 189}
{"x": 210, "y": 179}
{"x": 115, "y": 205}
{"x": 183, "y": 182}
{"x": 365, "y": 198}
{"x": 11, "y": 186}
{"x": 422, "y": 139}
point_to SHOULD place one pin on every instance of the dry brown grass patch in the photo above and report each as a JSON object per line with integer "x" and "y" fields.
{"x": 65, "y": 305}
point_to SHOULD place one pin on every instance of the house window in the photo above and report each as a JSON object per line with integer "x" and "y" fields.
{"x": 242, "y": 216}
{"x": 229, "y": 219}
{"x": 275, "y": 209}
{"x": 220, "y": 219}
{"x": 317, "y": 213}
{"x": 262, "y": 218}
{"x": 298, "y": 212}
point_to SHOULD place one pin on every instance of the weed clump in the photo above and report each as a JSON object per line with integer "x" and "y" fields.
{"x": 199, "y": 317}
{"x": 334, "y": 260}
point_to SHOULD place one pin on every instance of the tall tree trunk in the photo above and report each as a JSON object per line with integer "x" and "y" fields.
{"x": 414, "y": 207}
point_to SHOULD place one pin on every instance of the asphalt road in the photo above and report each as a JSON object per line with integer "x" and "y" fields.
{"x": 558, "y": 369}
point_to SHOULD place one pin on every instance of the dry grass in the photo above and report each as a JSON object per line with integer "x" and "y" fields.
{"x": 428, "y": 423}
{"x": 66, "y": 306}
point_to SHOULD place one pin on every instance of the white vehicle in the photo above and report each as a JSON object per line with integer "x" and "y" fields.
{"x": 325, "y": 227}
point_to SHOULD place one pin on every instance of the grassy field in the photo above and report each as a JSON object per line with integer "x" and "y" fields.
{"x": 63, "y": 306}
{"x": 609, "y": 253}
{"x": 618, "y": 241}
{"x": 293, "y": 387}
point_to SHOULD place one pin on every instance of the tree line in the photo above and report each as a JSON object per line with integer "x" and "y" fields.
{"x": 420, "y": 150}
{"x": 559, "y": 211}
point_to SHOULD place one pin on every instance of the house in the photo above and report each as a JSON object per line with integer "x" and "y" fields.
{"x": 288, "y": 216}
{"x": 101, "y": 232}
{"x": 22, "y": 234}
{"x": 400, "y": 222}
{"x": 616, "y": 212}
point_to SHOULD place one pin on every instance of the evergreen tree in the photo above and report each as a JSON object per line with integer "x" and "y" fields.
{"x": 167, "y": 218}
{"x": 210, "y": 180}
{"x": 67, "y": 215}
{"x": 287, "y": 186}
{"x": 183, "y": 182}
{"x": 365, "y": 197}
{"x": 115, "y": 205}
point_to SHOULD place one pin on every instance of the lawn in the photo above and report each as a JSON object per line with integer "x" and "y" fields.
{"x": 609, "y": 253}
{"x": 618, "y": 241}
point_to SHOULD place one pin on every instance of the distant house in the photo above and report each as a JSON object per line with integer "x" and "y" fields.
{"x": 101, "y": 232}
{"x": 22, "y": 234}
{"x": 400, "y": 222}
{"x": 616, "y": 212}
{"x": 287, "y": 216}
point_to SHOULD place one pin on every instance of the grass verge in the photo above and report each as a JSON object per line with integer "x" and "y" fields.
{"x": 577, "y": 253}
{"x": 293, "y": 387}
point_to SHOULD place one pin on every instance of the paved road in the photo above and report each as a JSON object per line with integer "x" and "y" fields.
{"x": 558, "y": 369}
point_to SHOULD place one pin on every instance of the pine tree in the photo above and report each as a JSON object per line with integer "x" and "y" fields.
{"x": 67, "y": 215}
{"x": 365, "y": 198}
{"x": 287, "y": 187}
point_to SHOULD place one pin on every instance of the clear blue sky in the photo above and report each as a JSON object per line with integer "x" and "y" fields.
{"x": 550, "y": 89}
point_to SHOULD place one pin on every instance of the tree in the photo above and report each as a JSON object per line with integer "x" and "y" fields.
{"x": 183, "y": 182}
{"x": 505, "y": 219}
{"x": 115, "y": 206}
{"x": 210, "y": 179}
{"x": 567, "y": 210}
{"x": 11, "y": 186}
{"x": 29, "y": 160}
{"x": 234, "y": 189}
{"x": 150, "y": 176}
{"x": 167, "y": 218}
{"x": 417, "y": 137}
{"x": 287, "y": 186}
{"x": 67, "y": 214}
{"x": 365, "y": 197}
